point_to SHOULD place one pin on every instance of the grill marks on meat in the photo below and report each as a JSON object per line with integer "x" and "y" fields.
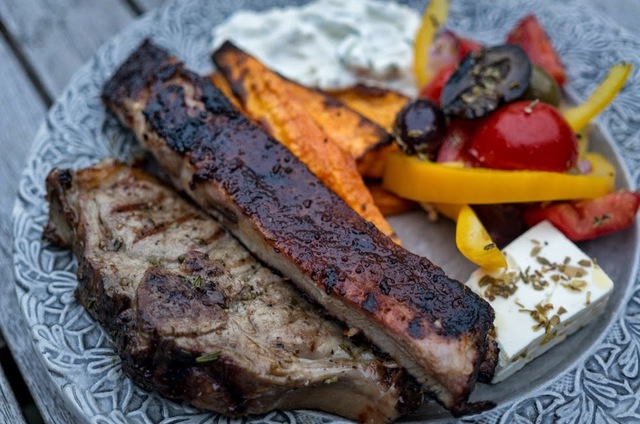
{"x": 195, "y": 317}
{"x": 430, "y": 324}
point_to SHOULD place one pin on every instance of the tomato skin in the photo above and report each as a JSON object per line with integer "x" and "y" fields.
{"x": 447, "y": 49}
{"x": 467, "y": 45}
{"x": 525, "y": 135}
{"x": 529, "y": 34}
{"x": 588, "y": 219}
{"x": 455, "y": 145}
{"x": 433, "y": 89}
{"x": 446, "y": 52}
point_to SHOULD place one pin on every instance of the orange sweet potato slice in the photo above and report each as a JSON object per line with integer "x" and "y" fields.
{"x": 390, "y": 203}
{"x": 276, "y": 105}
{"x": 223, "y": 85}
{"x": 381, "y": 106}
{"x": 377, "y": 104}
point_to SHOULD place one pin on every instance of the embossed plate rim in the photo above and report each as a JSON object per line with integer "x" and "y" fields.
{"x": 45, "y": 279}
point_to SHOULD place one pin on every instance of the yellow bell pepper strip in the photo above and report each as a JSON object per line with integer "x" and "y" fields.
{"x": 449, "y": 210}
{"x": 579, "y": 116}
{"x": 583, "y": 143}
{"x": 475, "y": 243}
{"x": 472, "y": 239}
{"x": 433, "y": 18}
{"x": 430, "y": 182}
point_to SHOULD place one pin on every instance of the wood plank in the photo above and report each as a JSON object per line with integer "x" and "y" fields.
{"x": 53, "y": 40}
{"x": 58, "y": 37}
{"x": 9, "y": 408}
{"x": 20, "y": 114}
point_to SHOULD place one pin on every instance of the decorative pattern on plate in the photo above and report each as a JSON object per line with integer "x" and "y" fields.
{"x": 599, "y": 383}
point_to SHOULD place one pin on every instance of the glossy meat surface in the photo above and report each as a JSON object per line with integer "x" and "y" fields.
{"x": 429, "y": 323}
{"x": 196, "y": 317}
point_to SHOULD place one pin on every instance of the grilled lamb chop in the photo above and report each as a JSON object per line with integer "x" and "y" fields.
{"x": 196, "y": 317}
{"x": 432, "y": 325}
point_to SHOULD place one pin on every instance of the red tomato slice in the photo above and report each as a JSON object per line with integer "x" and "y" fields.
{"x": 448, "y": 49}
{"x": 529, "y": 34}
{"x": 433, "y": 89}
{"x": 588, "y": 219}
{"x": 445, "y": 54}
{"x": 525, "y": 135}
{"x": 455, "y": 146}
{"x": 467, "y": 45}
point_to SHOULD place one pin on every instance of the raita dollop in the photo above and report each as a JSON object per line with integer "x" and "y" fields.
{"x": 330, "y": 43}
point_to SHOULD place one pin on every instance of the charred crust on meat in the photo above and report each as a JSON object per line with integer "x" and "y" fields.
{"x": 370, "y": 304}
{"x": 216, "y": 104}
{"x": 236, "y": 159}
{"x": 132, "y": 78}
{"x": 413, "y": 398}
{"x": 183, "y": 130}
{"x": 414, "y": 328}
{"x": 57, "y": 231}
{"x": 487, "y": 368}
{"x": 168, "y": 71}
{"x": 330, "y": 279}
{"x": 65, "y": 179}
{"x": 91, "y": 288}
{"x": 169, "y": 304}
{"x": 175, "y": 373}
{"x": 171, "y": 325}
{"x": 384, "y": 286}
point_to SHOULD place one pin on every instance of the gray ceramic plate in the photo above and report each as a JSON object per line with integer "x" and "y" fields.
{"x": 592, "y": 377}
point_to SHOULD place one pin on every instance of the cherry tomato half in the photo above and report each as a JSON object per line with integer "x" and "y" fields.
{"x": 433, "y": 89}
{"x": 445, "y": 53}
{"x": 448, "y": 49}
{"x": 525, "y": 135}
{"x": 455, "y": 146}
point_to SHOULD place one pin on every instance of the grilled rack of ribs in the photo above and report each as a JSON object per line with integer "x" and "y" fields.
{"x": 429, "y": 323}
{"x": 196, "y": 317}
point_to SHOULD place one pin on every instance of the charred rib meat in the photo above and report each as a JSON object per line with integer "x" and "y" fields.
{"x": 432, "y": 325}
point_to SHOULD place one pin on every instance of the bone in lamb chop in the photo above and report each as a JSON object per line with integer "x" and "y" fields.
{"x": 197, "y": 318}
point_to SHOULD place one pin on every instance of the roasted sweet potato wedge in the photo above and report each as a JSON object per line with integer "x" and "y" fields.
{"x": 278, "y": 105}
{"x": 381, "y": 106}
{"x": 377, "y": 104}
{"x": 361, "y": 137}
{"x": 389, "y": 203}
{"x": 356, "y": 134}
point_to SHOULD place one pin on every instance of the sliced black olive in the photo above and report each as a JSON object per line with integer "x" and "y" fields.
{"x": 419, "y": 128}
{"x": 486, "y": 79}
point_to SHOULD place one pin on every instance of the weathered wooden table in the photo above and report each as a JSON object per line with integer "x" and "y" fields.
{"x": 42, "y": 43}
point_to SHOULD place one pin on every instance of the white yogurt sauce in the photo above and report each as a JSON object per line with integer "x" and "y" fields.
{"x": 330, "y": 43}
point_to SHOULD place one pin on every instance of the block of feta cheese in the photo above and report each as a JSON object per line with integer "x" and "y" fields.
{"x": 549, "y": 290}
